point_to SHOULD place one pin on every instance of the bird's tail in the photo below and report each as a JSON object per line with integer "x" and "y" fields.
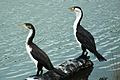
{"x": 100, "y": 57}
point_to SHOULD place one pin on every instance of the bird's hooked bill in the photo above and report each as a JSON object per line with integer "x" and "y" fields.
{"x": 71, "y": 9}
{"x": 22, "y": 25}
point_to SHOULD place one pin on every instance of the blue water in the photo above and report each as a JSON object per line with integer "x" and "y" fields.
{"x": 54, "y": 34}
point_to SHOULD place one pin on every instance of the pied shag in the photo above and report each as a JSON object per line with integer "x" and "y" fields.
{"x": 38, "y": 56}
{"x": 83, "y": 36}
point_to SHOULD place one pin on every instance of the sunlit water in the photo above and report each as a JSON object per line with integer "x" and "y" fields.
{"x": 54, "y": 34}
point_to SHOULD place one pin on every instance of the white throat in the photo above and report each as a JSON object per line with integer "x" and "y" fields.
{"x": 78, "y": 16}
{"x": 29, "y": 35}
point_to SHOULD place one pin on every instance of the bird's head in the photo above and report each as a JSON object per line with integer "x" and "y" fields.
{"x": 28, "y": 26}
{"x": 77, "y": 10}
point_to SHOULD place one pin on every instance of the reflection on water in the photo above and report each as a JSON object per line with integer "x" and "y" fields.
{"x": 54, "y": 34}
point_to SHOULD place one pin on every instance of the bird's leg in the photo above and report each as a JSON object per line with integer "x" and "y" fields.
{"x": 41, "y": 72}
{"x": 86, "y": 53}
{"x": 37, "y": 73}
{"x": 83, "y": 53}
{"x": 39, "y": 68}
{"x": 84, "y": 50}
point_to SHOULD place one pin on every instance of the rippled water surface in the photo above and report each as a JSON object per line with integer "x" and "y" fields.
{"x": 54, "y": 34}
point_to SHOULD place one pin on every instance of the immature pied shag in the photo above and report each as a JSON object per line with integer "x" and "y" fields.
{"x": 38, "y": 56}
{"x": 83, "y": 36}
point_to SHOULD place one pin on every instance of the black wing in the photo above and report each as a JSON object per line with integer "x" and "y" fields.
{"x": 85, "y": 38}
{"x": 41, "y": 57}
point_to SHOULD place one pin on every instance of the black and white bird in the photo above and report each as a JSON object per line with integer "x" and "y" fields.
{"x": 38, "y": 56}
{"x": 83, "y": 36}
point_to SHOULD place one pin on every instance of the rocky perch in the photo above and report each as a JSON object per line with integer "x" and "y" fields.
{"x": 75, "y": 69}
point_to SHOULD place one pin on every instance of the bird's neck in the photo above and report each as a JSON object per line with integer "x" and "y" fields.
{"x": 30, "y": 36}
{"x": 78, "y": 19}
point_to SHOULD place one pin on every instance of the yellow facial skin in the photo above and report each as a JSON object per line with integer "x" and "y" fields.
{"x": 71, "y": 9}
{"x": 24, "y": 26}
{"x": 74, "y": 9}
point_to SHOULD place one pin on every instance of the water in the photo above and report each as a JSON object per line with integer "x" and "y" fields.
{"x": 53, "y": 22}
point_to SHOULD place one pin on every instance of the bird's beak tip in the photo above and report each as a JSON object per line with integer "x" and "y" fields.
{"x": 20, "y": 25}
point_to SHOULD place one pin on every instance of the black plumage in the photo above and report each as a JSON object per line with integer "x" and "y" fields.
{"x": 37, "y": 54}
{"x": 41, "y": 57}
{"x": 83, "y": 36}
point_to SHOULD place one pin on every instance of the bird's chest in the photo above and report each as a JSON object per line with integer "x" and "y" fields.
{"x": 74, "y": 28}
{"x": 29, "y": 49}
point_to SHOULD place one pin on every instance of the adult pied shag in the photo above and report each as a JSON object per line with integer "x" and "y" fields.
{"x": 83, "y": 36}
{"x": 38, "y": 56}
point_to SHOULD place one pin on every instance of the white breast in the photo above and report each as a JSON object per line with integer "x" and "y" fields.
{"x": 75, "y": 35}
{"x": 29, "y": 49}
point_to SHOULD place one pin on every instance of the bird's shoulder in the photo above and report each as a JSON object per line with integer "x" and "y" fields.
{"x": 84, "y": 32}
{"x": 38, "y": 53}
